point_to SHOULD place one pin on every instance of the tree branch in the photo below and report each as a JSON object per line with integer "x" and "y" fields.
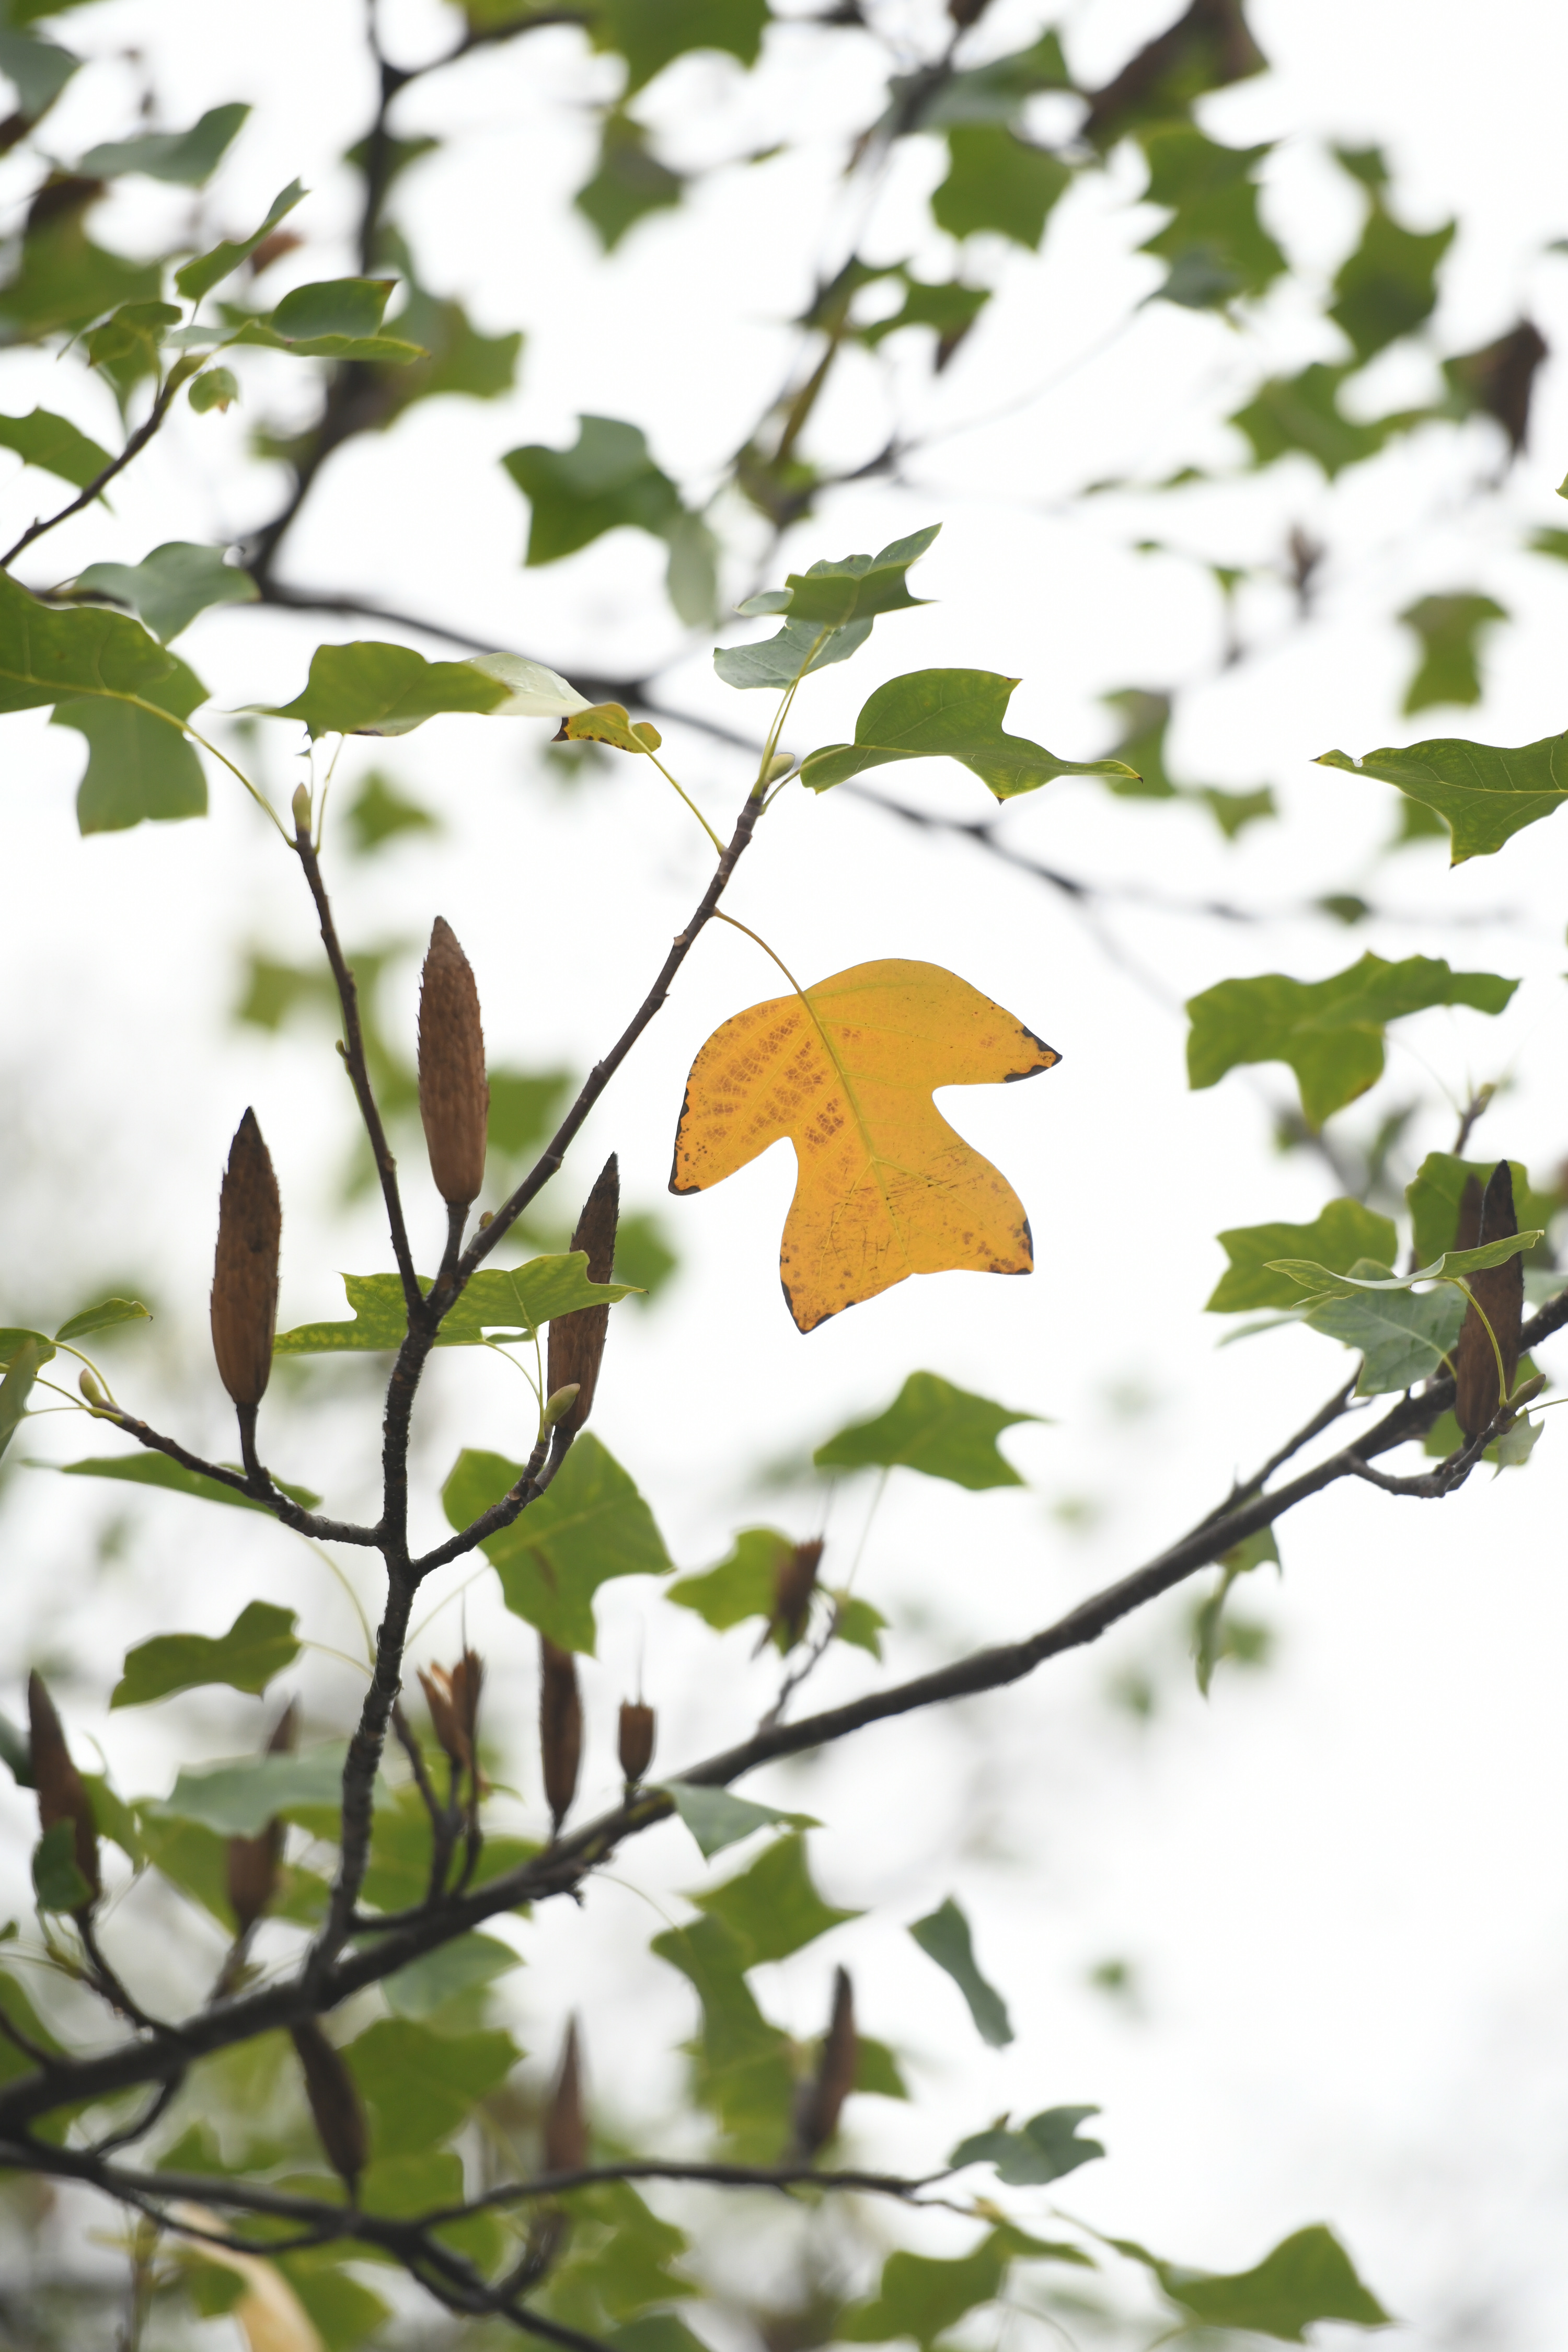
{"x": 282, "y": 1508}
{"x": 134, "y": 447}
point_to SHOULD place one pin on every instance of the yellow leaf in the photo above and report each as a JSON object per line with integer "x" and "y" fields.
{"x": 884, "y": 1188}
{"x": 270, "y": 2316}
{"x": 606, "y": 722}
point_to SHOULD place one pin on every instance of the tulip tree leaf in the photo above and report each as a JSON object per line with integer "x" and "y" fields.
{"x": 158, "y": 1470}
{"x": 921, "y": 2297}
{"x": 238, "y": 1798}
{"x": 590, "y": 1524}
{"x": 799, "y": 647}
{"x": 48, "y": 656}
{"x": 450, "y": 1973}
{"x": 1434, "y": 1194}
{"x": 1450, "y": 1266}
{"x": 419, "y": 2085}
{"x": 833, "y": 594}
{"x": 371, "y": 688}
{"x": 1483, "y": 793}
{"x": 169, "y": 587}
{"x": 103, "y": 1317}
{"x": 771, "y": 1909}
{"x": 197, "y": 278}
{"x": 27, "y": 1357}
{"x": 523, "y": 1297}
{"x": 944, "y": 1937}
{"x": 954, "y": 714}
{"x": 40, "y": 69}
{"x": 54, "y": 445}
{"x": 718, "y": 1818}
{"x": 996, "y": 92}
{"x": 649, "y": 34}
{"x": 1300, "y": 415}
{"x": 934, "y": 1427}
{"x": 741, "y": 1586}
{"x": 58, "y": 1882}
{"x": 1449, "y": 630}
{"x": 1215, "y": 247}
{"x": 885, "y": 1188}
{"x": 1045, "y": 2148}
{"x": 257, "y": 1646}
{"x": 997, "y": 182}
{"x": 604, "y": 481}
{"x": 1388, "y": 286}
{"x": 1307, "y": 2278}
{"x": 1337, "y": 1236}
{"x": 627, "y": 183}
{"x": 186, "y": 158}
{"x": 1329, "y": 1032}
{"x": 1146, "y": 719}
{"x": 1400, "y": 1338}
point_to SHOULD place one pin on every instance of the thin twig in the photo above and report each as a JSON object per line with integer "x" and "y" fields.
{"x": 99, "y": 482}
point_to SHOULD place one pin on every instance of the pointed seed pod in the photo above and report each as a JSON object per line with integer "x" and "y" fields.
{"x": 577, "y": 1342}
{"x": 453, "y": 1095}
{"x": 252, "y": 1862}
{"x": 244, "y": 1277}
{"x": 795, "y": 1582}
{"x": 335, "y": 2105}
{"x": 637, "y": 1737}
{"x": 1499, "y": 1292}
{"x": 62, "y": 1796}
{"x": 452, "y": 1696}
{"x": 560, "y": 1728}
{"x": 821, "y": 2100}
{"x": 566, "y": 2117}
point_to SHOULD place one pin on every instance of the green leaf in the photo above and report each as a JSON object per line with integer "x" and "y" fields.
{"x": 420, "y": 2086}
{"x": 158, "y": 1470}
{"x": 497, "y": 1298}
{"x": 921, "y": 2297}
{"x": 459, "y": 362}
{"x": 1434, "y": 1194}
{"x": 1045, "y": 2148}
{"x": 604, "y": 481}
{"x": 352, "y": 307}
{"x": 344, "y": 2314}
{"x": 717, "y": 1818}
{"x": 65, "y": 281}
{"x": 54, "y": 445}
{"x": 771, "y": 1909}
{"x": 1402, "y": 1338}
{"x": 113, "y": 1818}
{"x": 58, "y": 1882}
{"x": 1449, "y": 630}
{"x": 39, "y": 69}
{"x": 258, "y": 1645}
{"x": 858, "y": 1623}
{"x": 1307, "y": 2278}
{"x": 590, "y": 1524}
{"x": 47, "y": 654}
{"x": 1216, "y": 248}
{"x": 450, "y": 1973}
{"x": 1301, "y": 414}
{"x": 103, "y": 1317}
{"x": 1388, "y": 286}
{"x": 216, "y": 387}
{"x": 735, "y": 2032}
{"x": 28, "y": 1358}
{"x": 650, "y": 33}
{"x": 876, "y": 2071}
{"x": 935, "y": 1428}
{"x": 949, "y": 309}
{"x": 371, "y": 688}
{"x": 1215, "y": 1637}
{"x": 996, "y": 92}
{"x": 628, "y": 182}
{"x": 944, "y": 1937}
{"x": 533, "y": 690}
{"x": 380, "y": 813}
{"x": 1329, "y": 1032}
{"x": 139, "y": 769}
{"x": 208, "y": 270}
{"x": 187, "y": 158}
{"x": 238, "y": 1798}
{"x": 1452, "y": 1263}
{"x": 1483, "y": 793}
{"x": 954, "y": 714}
{"x": 1339, "y": 1235}
{"x": 1207, "y": 47}
{"x": 16, "y": 1752}
{"x": 1146, "y": 719}
{"x": 998, "y": 182}
{"x": 398, "y": 1877}
{"x": 169, "y": 587}
{"x": 741, "y": 1586}
{"x": 798, "y": 648}
{"x": 835, "y": 594}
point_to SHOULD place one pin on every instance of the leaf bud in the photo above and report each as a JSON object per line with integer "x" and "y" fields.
{"x": 637, "y": 1737}
{"x": 251, "y": 1864}
{"x": 335, "y": 2105}
{"x": 795, "y": 1582}
{"x": 1497, "y": 1293}
{"x": 452, "y": 1696}
{"x": 558, "y": 1406}
{"x": 454, "y": 1096}
{"x": 301, "y": 805}
{"x": 88, "y": 1384}
{"x": 567, "y": 2118}
{"x": 560, "y": 1728}
{"x": 577, "y": 1340}
{"x": 244, "y": 1277}
{"x": 820, "y": 2101}
{"x": 61, "y": 1792}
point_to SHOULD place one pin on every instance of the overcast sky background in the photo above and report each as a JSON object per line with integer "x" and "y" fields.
{"x": 1339, "y": 1883}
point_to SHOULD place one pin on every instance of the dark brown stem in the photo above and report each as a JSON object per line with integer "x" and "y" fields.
{"x": 359, "y": 1073}
{"x": 106, "y": 1983}
{"x": 359, "y": 1770}
{"x": 133, "y": 448}
{"x": 257, "y": 1489}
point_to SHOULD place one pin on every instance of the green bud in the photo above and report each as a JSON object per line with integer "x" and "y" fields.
{"x": 559, "y": 1405}
{"x": 302, "y": 807}
{"x": 89, "y": 1387}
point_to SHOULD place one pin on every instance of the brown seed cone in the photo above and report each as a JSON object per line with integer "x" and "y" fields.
{"x": 577, "y": 1342}
{"x": 566, "y": 2117}
{"x": 244, "y": 1275}
{"x": 454, "y": 1094}
{"x": 252, "y": 1862}
{"x": 335, "y": 2104}
{"x": 795, "y": 1582}
{"x": 821, "y": 2100}
{"x": 62, "y": 1796}
{"x": 1499, "y": 1292}
{"x": 560, "y": 1728}
{"x": 452, "y": 1696}
{"x": 637, "y": 1735}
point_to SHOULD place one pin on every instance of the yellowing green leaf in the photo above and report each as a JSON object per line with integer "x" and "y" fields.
{"x": 954, "y": 714}
{"x": 607, "y": 722}
{"x": 884, "y": 1188}
{"x": 1483, "y": 793}
{"x": 934, "y": 1427}
{"x": 368, "y": 689}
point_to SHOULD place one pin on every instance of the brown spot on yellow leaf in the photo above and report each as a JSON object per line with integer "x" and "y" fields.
{"x": 884, "y": 1188}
